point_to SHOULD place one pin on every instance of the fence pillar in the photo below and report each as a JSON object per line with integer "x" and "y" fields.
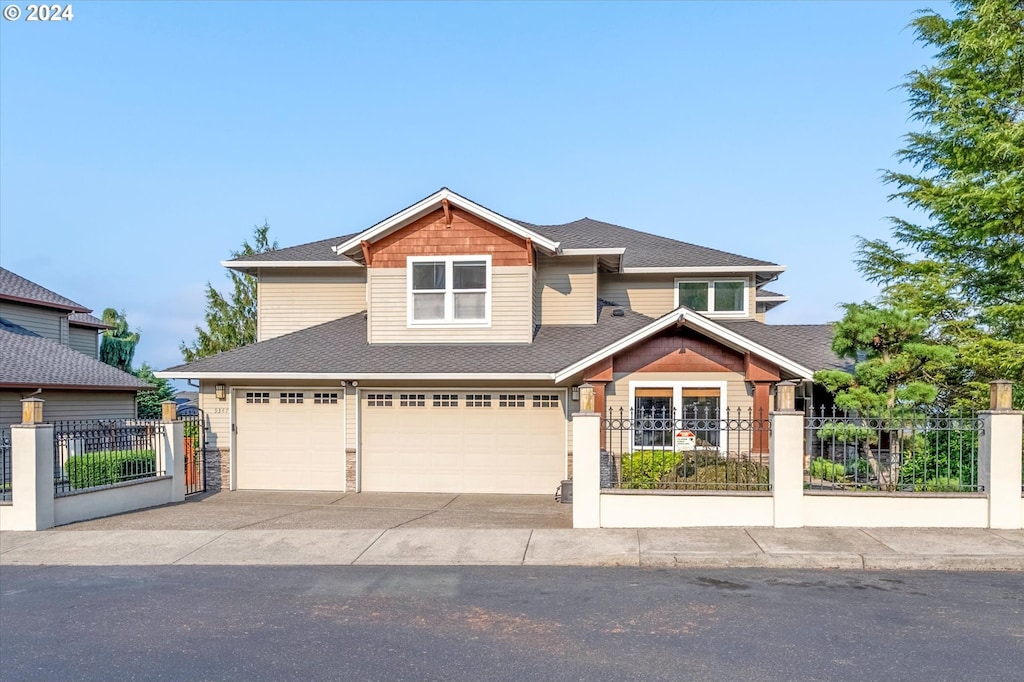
{"x": 586, "y": 470}
{"x": 31, "y": 478}
{"x": 170, "y": 456}
{"x": 786, "y": 459}
{"x": 999, "y": 460}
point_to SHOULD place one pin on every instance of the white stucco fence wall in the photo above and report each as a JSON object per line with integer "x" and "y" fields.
{"x": 34, "y": 506}
{"x": 1000, "y": 505}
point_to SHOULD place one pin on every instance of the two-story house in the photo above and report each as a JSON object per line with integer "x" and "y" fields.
{"x": 442, "y": 350}
{"x": 49, "y": 348}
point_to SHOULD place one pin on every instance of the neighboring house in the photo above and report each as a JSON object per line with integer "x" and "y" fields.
{"x": 49, "y": 347}
{"x": 439, "y": 350}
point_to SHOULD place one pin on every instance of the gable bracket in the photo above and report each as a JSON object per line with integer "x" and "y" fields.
{"x": 366, "y": 251}
{"x": 447, "y": 212}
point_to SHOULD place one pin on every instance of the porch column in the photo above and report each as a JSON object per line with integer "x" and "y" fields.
{"x": 762, "y": 398}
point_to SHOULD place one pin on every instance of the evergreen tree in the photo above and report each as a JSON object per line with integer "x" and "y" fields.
{"x": 117, "y": 345}
{"x": 962, "y": 264}
{"x": 149, "y": 403}
{"x": 231, "y": 321}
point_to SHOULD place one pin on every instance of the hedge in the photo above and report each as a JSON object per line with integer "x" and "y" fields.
{"x": 109, "y": 466}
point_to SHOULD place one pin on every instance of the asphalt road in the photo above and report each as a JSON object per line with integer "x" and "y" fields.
{"x": 385, "y": 623}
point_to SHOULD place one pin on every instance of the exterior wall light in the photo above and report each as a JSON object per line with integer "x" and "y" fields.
{"x": 575, "y": 393}
{"x": 221, "y": 391}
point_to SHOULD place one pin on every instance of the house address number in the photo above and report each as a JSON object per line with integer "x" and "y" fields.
{"x": 219, "y": 410}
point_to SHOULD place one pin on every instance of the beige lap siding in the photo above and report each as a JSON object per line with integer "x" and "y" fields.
{"x": 651, "y": 295}
{"x": 511, "y": 310}
{"x": 291, "y": 299}
{"x": 566, "y": 290}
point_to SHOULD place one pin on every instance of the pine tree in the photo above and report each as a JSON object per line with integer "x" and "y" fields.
{"x": 149, "y": 403}
{"x": 231, "y": 321}
{"x": 962, "y": 264}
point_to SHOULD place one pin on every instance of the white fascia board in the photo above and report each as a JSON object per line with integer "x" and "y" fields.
{"x": 593, "y": 252}
{"x": 353, "y": 376}
{"x": 740, "y": 342}
{"x": 772, "y": 299}
{"x": 663, "y": 322}
{"x": 246, "y": 264}
{"x": 432, "y": 202}
{"x": 705, "y": 269}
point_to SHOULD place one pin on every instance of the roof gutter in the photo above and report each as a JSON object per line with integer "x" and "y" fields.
{"x": 354, "y": 376}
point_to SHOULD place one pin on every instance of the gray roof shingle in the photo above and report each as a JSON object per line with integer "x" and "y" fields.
{"x": 16, "y": 288}
{"x": 808, "y": 344}
{"x": 27, "y": 359}
{"x": 340, "y": 346}
{"x": 313, "y": 251}
{"x": 643, "y": 249}
{"x": 87, "y": 320}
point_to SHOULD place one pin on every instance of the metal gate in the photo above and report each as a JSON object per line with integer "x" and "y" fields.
{"x": 194, "y": 422}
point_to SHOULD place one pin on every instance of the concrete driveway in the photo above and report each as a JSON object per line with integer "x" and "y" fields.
{"x": 266, "y": 510}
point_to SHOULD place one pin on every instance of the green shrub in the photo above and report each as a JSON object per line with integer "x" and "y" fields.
{"x": 942, "y": 455}
{"x": 109, "y": 466}
{"x": 646, "y": 469}
{"x": 827, "y": 470}
{"x": 860, "y": 468}
{"x": 942, "y": 484}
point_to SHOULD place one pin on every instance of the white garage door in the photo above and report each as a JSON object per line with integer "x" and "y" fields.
{"x": 289, "y": 439}
{"x": 462, "y": 441}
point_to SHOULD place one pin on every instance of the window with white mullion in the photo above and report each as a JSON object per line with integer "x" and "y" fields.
{"x": 449, "y": 290}
{"x": 716, "y": 296}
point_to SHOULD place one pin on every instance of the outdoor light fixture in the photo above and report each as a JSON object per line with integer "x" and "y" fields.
{"x": 575, "y": 393}
{"x": 221, "y": 391}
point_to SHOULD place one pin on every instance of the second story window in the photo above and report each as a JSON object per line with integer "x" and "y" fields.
{"x": 452, "y": 290}
{"x": 720, "y": 296}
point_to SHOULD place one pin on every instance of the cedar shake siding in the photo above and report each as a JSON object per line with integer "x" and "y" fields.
{"x": 296, "y": 298}
{"x": 566, "y": 290}
{"x": 466, "y": 236}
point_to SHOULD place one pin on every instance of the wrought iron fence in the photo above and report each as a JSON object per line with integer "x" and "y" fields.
{"x": 891, "y": 453}
{"x": 694, "y": 448}
{"x": 6, "y": 492}
{"x": 194, "y": 426}
{"x": 90, "y": 454}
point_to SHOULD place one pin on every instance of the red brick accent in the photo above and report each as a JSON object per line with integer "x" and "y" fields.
{"x": 679, "y": 350}
{"x": 467, "y": 236}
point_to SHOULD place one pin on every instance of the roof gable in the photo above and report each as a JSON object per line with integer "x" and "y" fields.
{"x": 443, "y": 199}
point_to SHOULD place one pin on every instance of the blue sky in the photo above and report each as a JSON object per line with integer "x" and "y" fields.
{"x": 142, "y": 141}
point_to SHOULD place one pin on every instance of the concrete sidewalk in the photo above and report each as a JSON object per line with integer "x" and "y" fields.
{"x": 910, "y": 549}
{"x": 302, "y": 528}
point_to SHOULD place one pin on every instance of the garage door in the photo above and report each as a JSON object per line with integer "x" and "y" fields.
{"x": 289, "y": 439}
{"x": 462, "y": 441}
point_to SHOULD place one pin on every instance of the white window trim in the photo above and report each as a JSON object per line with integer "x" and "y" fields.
{"x": 711, "y": 295}
{"x": 449, "y": 298}
{"x": 677, "y": 397}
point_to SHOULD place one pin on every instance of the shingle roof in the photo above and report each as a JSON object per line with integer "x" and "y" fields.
{"x": 27, "y": 359}
{"x": 16, "y": 288}
{"x": 87, "y": 320}
{"x": 312, "y": 251}
{"x": 643, "y": 250}
{"x": 808, "y": 344}
{"x": 340, "y": 346}
{"x": 764, "y": 293}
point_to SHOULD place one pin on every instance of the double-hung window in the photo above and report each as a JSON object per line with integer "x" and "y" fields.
{"x": 449, "y": 290}
{"x": 726, "y": 297}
